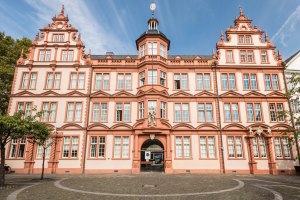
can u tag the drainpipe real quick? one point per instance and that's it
(219, 115)
(87, 120)
(292, 117)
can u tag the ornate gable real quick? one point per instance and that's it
(276, 94)
(254, 94)
(205, 93)
(100, 93)
(231, 94)
(24, 93)
(75, 93)
(181, 94)
(50, 93)
(123, 93)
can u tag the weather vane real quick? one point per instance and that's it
(152, 8)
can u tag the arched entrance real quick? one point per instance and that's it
(152, 156)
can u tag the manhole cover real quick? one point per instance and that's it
(149, 186)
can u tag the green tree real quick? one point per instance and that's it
(10, 51)
(293, 115)
(19, 126)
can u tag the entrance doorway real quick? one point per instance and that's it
(152, 156)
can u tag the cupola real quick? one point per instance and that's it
(152, 38)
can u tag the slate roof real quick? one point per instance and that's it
(170, 57)
(291, 57)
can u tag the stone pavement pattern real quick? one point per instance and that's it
(152, 186)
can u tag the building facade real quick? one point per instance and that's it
(177, 113)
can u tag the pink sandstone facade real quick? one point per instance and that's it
(192, 114)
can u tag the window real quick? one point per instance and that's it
(124, 81)
(53, 80)
(182, 112)
(70, 147)
(49, 111)
(254, 112)
(295, 106)
(282, 147)
(40, 149)
(45, 55)
(97, 147)
(163, 110)
(229, 56)
(250, 82)
(162, 50)
(141, 110)
(121, 147)
(67, 55)
(264, 56)
(207, 147)
(259, 147)
(245, 39)
(183, 146)
(58, 37)
(231, 112)
(163, 77)
(74, 111)
(152, 104)
(205, 112)
(26, 107)
(180, 81)
(228, 81)
(276, 112)
(100, 112)
(152, 48)
(271, 82)
(142, 78)
(77, 80)
(152, 76)
(102, 81)
(247, 56)
(17, 148)
(203, 81)
(29, 80)
(235, 147)
(122, 112)
(143, 50)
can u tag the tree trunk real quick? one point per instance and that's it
(2, 168)
(43, 165)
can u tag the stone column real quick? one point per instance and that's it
(29, 157)
(252, 163)
(271, 160)
(136, 160)
(168, 159)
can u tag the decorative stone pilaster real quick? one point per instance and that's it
(271, 160)
(29, 159)
(252, 163)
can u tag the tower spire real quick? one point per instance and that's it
(241, 11)
(152, 23)
(62, 12)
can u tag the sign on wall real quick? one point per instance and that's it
(147, 155)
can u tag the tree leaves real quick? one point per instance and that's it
(10, 51)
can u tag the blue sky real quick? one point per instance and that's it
(193, 26)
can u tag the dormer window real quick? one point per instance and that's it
(143, 50)
(152, 48)
(58, 37)
(162, 50)
(245, 39)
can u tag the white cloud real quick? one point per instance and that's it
(93, 34)
(288, 27)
